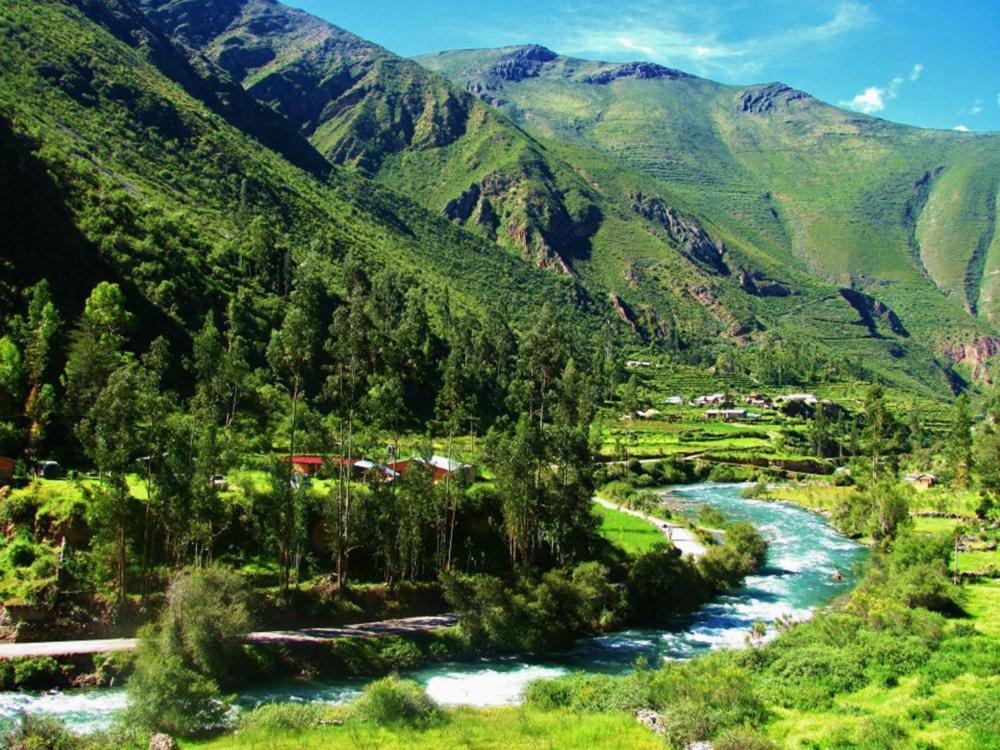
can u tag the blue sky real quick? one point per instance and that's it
(933, 63)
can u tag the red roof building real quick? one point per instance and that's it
(307, 465)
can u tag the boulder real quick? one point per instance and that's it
(160, 741)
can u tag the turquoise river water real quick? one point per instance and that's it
(796, 579)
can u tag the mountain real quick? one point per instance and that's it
(124, 159)
(186, 148)
(703, 212)
(904, 214)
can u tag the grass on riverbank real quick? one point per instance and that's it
(633, 535)
(507, 728)
(933, 709)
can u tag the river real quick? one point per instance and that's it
(797, 578)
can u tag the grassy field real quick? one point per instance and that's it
(631, 534)
(928, 713)
(878, 717)
(490, 729)
(983, 604)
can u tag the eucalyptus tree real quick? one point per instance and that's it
(42, 324)
(96, 346)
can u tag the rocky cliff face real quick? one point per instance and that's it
(771, 97)
(523, 62)
(518, 209)
(638, 70)
(356, 102)
(690, 238)
(874, 313)
(975, 354)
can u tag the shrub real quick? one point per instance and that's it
(660, 584)
(276, 718)
(39, 732)
(166, 696)
(534, 614)
(196, 644)
(395, 701)
(743, 739)
(589, 693)
(113, 667)
(20, 509)
(205, 620)
(36, 672)
(711, 517)
(21, 554)
(365, 656)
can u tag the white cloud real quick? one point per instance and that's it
(961, 129)
(976, 108)
(692, 36)
(627, 43)
(872, 99)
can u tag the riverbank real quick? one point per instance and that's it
(939, 694)
(794, 580)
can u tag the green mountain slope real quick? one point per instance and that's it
(124, 161)
(904, 213)
(676, 267)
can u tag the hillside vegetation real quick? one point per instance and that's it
(904, 214)
(625, 182)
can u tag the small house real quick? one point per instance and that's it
(805, 398)
(632, 363)
(921, 480)
(7, 468)
(713, 399)
(440, 466)
(304, 465)
(674, 400)
(759, 400)
(370, 469)
(444, 467)
(649, 414)
(726, 415)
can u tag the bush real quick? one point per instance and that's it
(742, 739)
(197, 643)
(113, 667)
(36, 672)
(278, 718)
(166, 696)
(21, 554)
(660, 584)
(535, 613)
(395, 701)
(711, 517)
(588, 693)
(366, 656)
(39, 732)
(205, 620)
(20, 509)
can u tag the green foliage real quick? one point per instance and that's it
(167, 696)
(41, 732)
(114, 667)
(284, 718)
(36, 672)
(538, 612)
(391, 700)
(195, 646)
